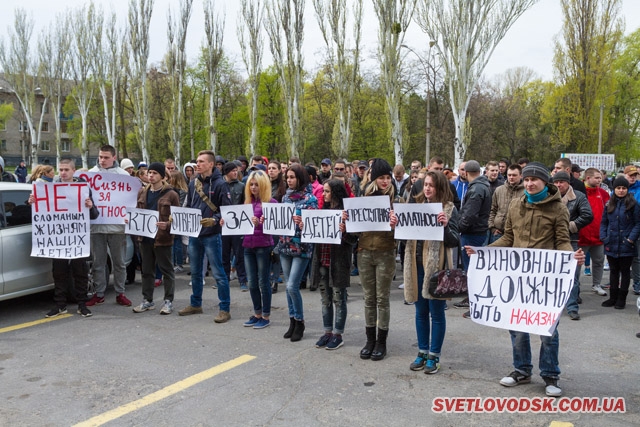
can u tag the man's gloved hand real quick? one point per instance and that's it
(208, 222)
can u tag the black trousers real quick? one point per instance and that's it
(66, 271)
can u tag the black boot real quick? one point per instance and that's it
(303, 284)
(366, 351)
(380, 350)
(274, 287)
(298, 331)
(613, 297)
(622, 300)
(292, 325)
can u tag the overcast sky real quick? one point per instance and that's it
(529, 43)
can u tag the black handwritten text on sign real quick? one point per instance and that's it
(278, 219)
(368, 213)
(321, 226)
(142, 222)
(237, 220)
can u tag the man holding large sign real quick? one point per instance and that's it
(108, 237)
(536, 220)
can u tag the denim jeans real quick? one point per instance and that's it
(424, 308)
(117, 244)
(549, 348)
(331, 296)
(212, 246)
(293, 269)
(257, 263)
(494, 237)
(470, 240)
(572, 302)
(376, 274)
(178, 259)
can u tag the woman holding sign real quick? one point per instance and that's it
(377, 266)
(295, 255)
(423, 258)
(330, 270)
(257, 250)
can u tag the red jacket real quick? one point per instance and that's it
(589, 235)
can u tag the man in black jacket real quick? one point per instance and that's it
(475, 210)
(564, 164)
(207, 192)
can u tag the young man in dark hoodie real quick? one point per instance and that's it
(158, 196)
(232, 245)
(207, 192)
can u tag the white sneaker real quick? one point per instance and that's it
(401, 286)
(598, 290)
(606, 266)
(233, 275)
(167, 308)
(144, 306)
(551, 388)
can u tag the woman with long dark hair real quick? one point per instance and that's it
(422, 259)
(619, 231)
(330, 269)
(295, 255)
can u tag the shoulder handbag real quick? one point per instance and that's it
(448, 283)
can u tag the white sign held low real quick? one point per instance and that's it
(368, 213)
(237, 220)
(142, 222)
(418, 221)
(519, 289)
(278, 219)
(321, 226)
(185, 221)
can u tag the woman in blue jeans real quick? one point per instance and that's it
(422, 259)
(257, 250)
(295, 255)
(330, 271)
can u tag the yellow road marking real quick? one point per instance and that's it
(118, 412)
(34, 323)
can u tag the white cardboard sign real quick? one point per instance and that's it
(368, 213)
(418, 221)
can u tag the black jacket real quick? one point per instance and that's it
(476, 207)
(217, 190)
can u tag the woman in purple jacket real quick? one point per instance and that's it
(257, 250)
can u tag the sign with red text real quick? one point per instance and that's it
(237, 220)
(418, 221)
(113, 194)
(519, 289)
(278, 219)
(186, 221)
(142, 222)
(321, 226)
(368, 213)
(60, 220)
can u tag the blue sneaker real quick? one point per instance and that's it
(261, 323)
(251, 322)
(244, 287)
(335, 342)
(587, 271)
(324, 340)
(355, 272)
(433, 364)
(419, 363)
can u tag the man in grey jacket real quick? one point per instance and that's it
(108, 237)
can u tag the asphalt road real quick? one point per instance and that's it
(145, 369)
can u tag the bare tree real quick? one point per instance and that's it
(468, 32)
(214, 30)
(394, 17)
(249, 28)
(21, 72)
(177, 61)
(285, 27)
(332, 18)
(53, 47)
(86, 23)
(107, 71)
(139, 19)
